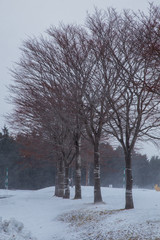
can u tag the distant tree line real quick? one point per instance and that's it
(28, 170)
(98, 82)
(25, 171)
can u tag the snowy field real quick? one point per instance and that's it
(38, 215)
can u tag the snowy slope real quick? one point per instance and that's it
(51, 218)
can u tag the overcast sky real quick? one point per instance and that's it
(20, 19)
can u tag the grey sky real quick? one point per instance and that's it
(20, 19)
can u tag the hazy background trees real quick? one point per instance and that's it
(30, 169)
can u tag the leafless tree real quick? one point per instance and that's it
(97, 106)
(74, 50)
(49, 84)
(39, 101)
(134, 112)
(94, 115)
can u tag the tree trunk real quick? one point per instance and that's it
(66, 182)
(87, 173)
(78, 170)
(129, 181)
(56, 180)
(97, 187)
(87, 177)
(59, 190)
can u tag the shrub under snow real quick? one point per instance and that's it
(13, 230)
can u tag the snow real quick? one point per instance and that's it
(39, 215)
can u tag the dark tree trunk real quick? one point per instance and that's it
(56, 181)
(97, 186)
(78, 170)
(59, 187)
(66, 182)
(129, 181)
(87, 174)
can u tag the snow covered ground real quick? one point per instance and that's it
(38, 215)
